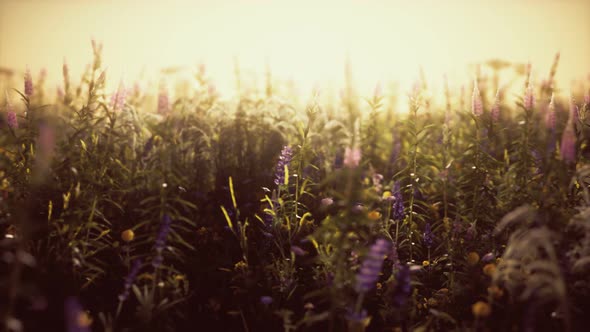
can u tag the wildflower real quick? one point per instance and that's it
(374, 215)
(403, 286)
(327, 201)
(529, 98)
(76, 318)
(161, 240)
(371, 266)
(298, 251)
(550, 117)
(496, 108)
(481, 309)
(266, 300)
(284, 161)
(386, 196)
(127, 235)
(118, 98)
(426, 263)
(398, 204)
(488, 257)
(11, 118)
(393, 256)
(568, 143)
(377, 178)
(489, 269)
(476, 103)
(358, 208)
(352, 157)
(130, 279)
(28, 83)
(428, 236)
(472, 258)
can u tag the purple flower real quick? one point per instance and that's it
(266, 300)
(476, 103)
(284, 161)
(371, 266)
(118, 97)
(398, 205)
(352, 157)
(403, 286)
(428, 236)
(130, 279)
(75, 317)
(11, 118)
(568, 143)
(28, 83)
(160, 242)
(325, 202)
(488, 257)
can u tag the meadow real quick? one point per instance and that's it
(135, 210)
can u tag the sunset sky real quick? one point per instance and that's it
(305, 40)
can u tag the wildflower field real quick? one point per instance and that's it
(131, 209)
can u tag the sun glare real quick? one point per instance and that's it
(307, 42)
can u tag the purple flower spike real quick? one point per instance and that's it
(403, 286)
(352, 157)
(398, 204)
(371, 266)
(130, 279)
(74, 316)
(160, 242)
(284, 160)
(28, 83)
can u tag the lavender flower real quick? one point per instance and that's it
(352, 157)
(398, 204)
(496, 108)
(529, 98)
(428, 236)
(11, 118)
(76, 319)
(130, 279)
(28, 83)
(568, 143)
(284, 161)
(118, 98)
(371, 266)
(266, 300)
(161, 240)
(403, 286)
(476, 103)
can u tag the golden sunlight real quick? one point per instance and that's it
(304, 41)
